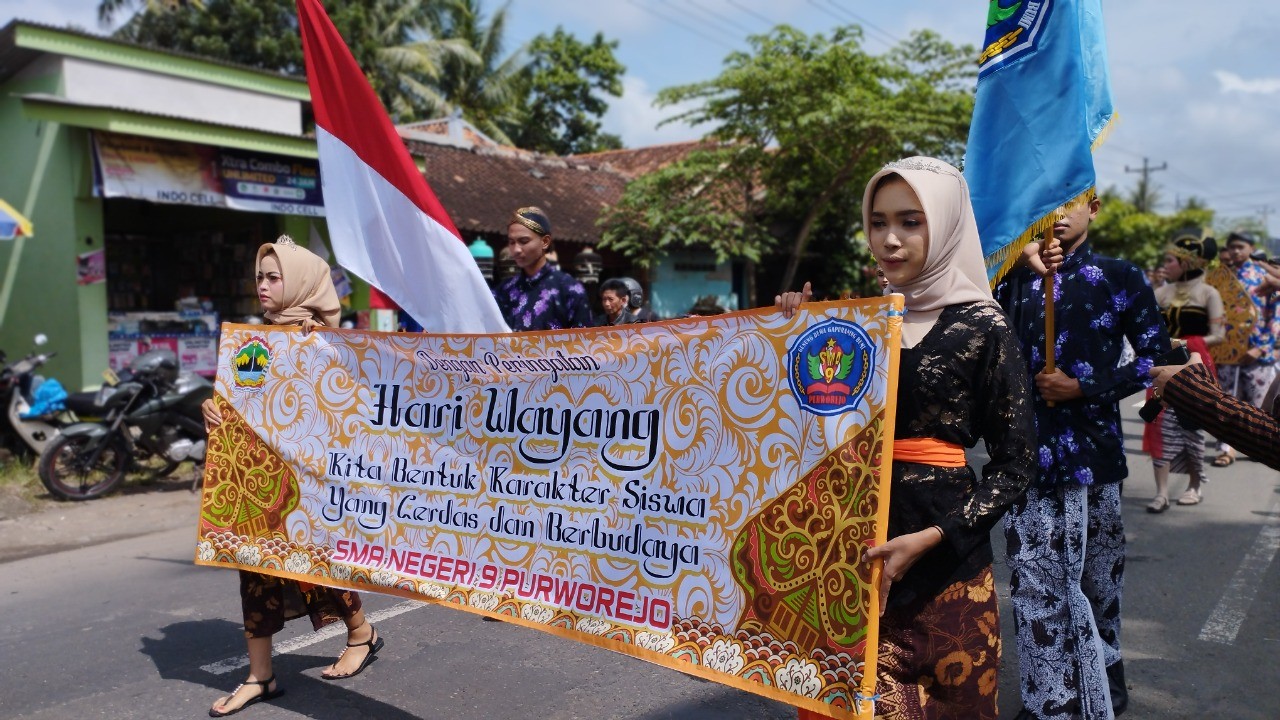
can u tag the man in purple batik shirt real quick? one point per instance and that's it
(539, 297)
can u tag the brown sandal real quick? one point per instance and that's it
(1224, 459)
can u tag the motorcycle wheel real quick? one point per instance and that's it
(63, 472)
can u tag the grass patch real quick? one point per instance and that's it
(17, 474)
(20, 488)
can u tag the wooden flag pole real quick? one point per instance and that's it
(1050, 359)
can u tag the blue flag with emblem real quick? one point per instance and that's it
(1042, 106)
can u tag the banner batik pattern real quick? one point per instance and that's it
(697, 493)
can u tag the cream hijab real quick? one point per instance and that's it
(954, 270)
(308, 287)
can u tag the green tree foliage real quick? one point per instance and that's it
(392, 40)
(1122, 230)
(485, 88)
(109, 10)
(424, 58)
(699, 201)
(802, 120)
(563, 90)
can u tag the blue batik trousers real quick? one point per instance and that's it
(1065, 548)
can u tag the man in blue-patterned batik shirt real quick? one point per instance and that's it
(1065, 537)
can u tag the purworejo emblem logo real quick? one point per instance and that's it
(829, 367)
(250, 362)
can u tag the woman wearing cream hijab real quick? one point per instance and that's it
(295, 288)
(961, 379)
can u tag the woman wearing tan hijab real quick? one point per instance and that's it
(295, 288)
(961, 379)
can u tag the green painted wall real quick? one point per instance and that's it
(47, 176)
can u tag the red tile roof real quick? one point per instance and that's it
(635, 162)
(481, 187)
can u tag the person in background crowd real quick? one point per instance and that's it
(1270, 283)
(635, 301)
(295, 288)
(1065, 538)
(705, 306)
(1190, 389)
(540, 296)
(613, 299)
(1194, 315)
(1251, 380)
(962, 379)
(880, 278)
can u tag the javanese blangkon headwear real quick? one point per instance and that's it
(534, 219)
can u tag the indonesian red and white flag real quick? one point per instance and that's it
(385, 223)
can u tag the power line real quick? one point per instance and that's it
(721, 17)
(885, 35)
(702, 22)
(1247, 193)
(771, 23)
(676, 22)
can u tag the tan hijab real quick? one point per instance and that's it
(308, 287)
(954, 270)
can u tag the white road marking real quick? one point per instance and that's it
(223, 667)
(1224, 622)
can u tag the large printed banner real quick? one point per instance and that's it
(697, 493)
(166, 171)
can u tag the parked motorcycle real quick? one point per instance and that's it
(152, 414)
(33, 409)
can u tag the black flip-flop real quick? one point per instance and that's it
(266, 694)
(374, 644)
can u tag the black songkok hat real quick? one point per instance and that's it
(1244, 237)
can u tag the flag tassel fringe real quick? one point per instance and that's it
(1007, 257)
(1105, 132)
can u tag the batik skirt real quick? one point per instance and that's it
(939, 659)
(1180, 448)
(269, 602)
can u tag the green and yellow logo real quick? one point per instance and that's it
(250, 363)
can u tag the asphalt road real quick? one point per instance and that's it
(105, 616)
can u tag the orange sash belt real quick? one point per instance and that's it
(929, 451)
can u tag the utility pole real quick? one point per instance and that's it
(1143, 195)
(1267, 243)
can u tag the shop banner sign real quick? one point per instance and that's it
(164, 171)
(697, 493)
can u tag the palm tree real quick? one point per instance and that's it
(398, 43)
(487, 91)
(411, 56)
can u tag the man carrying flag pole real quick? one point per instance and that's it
(385, 223)
(1043, 102)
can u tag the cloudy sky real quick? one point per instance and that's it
(1198, 89)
